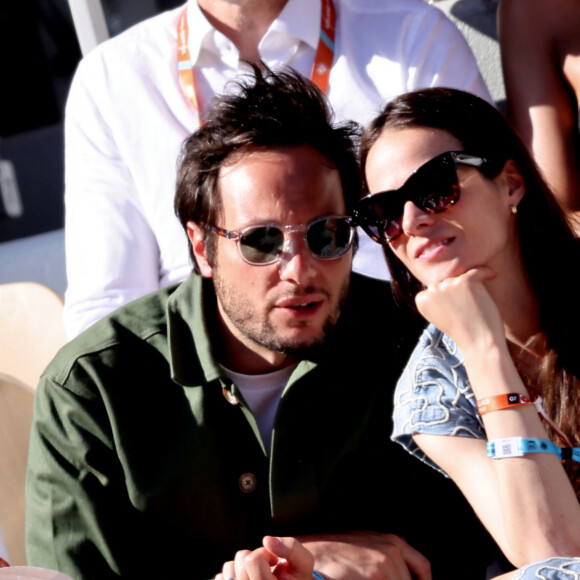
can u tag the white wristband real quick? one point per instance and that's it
(519, 446)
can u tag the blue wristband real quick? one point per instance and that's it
(572, 453)
(317, 575)
(519, 446)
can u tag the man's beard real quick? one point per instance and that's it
(242, 315)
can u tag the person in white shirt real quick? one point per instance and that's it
(129, 111)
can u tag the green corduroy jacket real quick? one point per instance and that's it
(145, 461)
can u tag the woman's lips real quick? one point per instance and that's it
(432, 248)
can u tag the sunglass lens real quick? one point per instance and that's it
(435, 185)
(330, 238)
(262, 245)
(381, 217)
(439, 201)
(432, 188)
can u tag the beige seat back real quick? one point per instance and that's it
(31, 329)
(16, 401)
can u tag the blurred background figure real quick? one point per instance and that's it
(540, 49)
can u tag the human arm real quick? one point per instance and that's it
(527, 503)
(77, 519)
(111, 252)
(539, 47)
(366, 554)
(347, 556)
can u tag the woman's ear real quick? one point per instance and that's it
(198, 246)
(514, 181)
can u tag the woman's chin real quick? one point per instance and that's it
(441, 273)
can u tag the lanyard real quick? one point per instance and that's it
(320, 69)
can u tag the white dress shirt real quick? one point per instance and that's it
(126, 119)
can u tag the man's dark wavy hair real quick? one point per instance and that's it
(265, 109)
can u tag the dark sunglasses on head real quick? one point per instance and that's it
(327, 238)
(433, 188)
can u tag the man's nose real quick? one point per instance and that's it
(296, 261)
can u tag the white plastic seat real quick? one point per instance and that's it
(16, 402)
(31, 329)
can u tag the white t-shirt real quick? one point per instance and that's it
(126, 119)
(262, 394)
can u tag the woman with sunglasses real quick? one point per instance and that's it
(477, 244)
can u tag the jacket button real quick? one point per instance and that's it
(248, 482)
(230, 397)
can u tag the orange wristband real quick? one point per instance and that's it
(500, 402)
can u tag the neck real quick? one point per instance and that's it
(253, 359)
(518, 304)
(244, 22)
(251, 362)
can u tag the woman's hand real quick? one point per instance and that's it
(280, 558)
(518, 497)
(346, 556)
(462, 308)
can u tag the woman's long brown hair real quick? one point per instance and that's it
(550, 249)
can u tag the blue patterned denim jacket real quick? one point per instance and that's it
(434, 395)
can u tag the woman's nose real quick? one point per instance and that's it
(415, 219)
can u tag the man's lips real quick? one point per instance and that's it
(300, 303)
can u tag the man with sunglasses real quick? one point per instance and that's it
(153, 84)
(247, 400)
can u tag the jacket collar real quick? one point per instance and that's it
(191, 332)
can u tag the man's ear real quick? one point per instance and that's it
(516, 186)
(197, 240)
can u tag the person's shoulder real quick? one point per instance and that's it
(386, 7)
(373, 309)
(536, 10)
(365, 292)
(368, 283)
(386, 21)
(368, 293)
(526, 18)
(154, 35)
(127, 330)
(437, 343)
(435, 360)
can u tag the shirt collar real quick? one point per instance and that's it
(299, 19)
(200, 29)
(192, 329)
